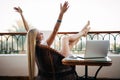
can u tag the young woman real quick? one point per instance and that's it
(36, 38)
(67, 42)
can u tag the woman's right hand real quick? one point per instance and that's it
(18, 9)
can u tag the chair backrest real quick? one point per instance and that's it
(50, 65)
(44, 59)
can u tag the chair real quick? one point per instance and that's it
(48, 62)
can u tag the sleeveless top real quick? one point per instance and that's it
(43, 42)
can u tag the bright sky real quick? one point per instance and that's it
(42, 14)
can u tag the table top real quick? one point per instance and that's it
(91, 62)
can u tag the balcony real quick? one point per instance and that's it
(15, 43)
(13, 57)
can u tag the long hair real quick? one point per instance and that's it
(31, 43)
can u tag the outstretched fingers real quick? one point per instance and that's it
(64, 7)
(18, 9)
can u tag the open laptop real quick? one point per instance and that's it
(95, 49)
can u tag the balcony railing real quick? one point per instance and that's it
(12, 42)
(16, 42)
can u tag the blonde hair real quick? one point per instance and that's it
(31, 43)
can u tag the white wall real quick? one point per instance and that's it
(16, 65)
(13, 65)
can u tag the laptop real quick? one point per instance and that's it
(95, 49)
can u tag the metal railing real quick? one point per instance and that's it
(12, 42)
(16, 42)
(113, 36)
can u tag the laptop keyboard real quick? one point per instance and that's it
(75, 57)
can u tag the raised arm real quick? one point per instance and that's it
(19, 10)
(63, 9)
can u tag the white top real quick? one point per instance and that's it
(43, 42)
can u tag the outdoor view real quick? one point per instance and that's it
(104, 15)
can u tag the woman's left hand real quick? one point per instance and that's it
(64, 7)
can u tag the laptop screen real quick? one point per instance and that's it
(96, 48)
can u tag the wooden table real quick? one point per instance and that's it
(88, 62)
